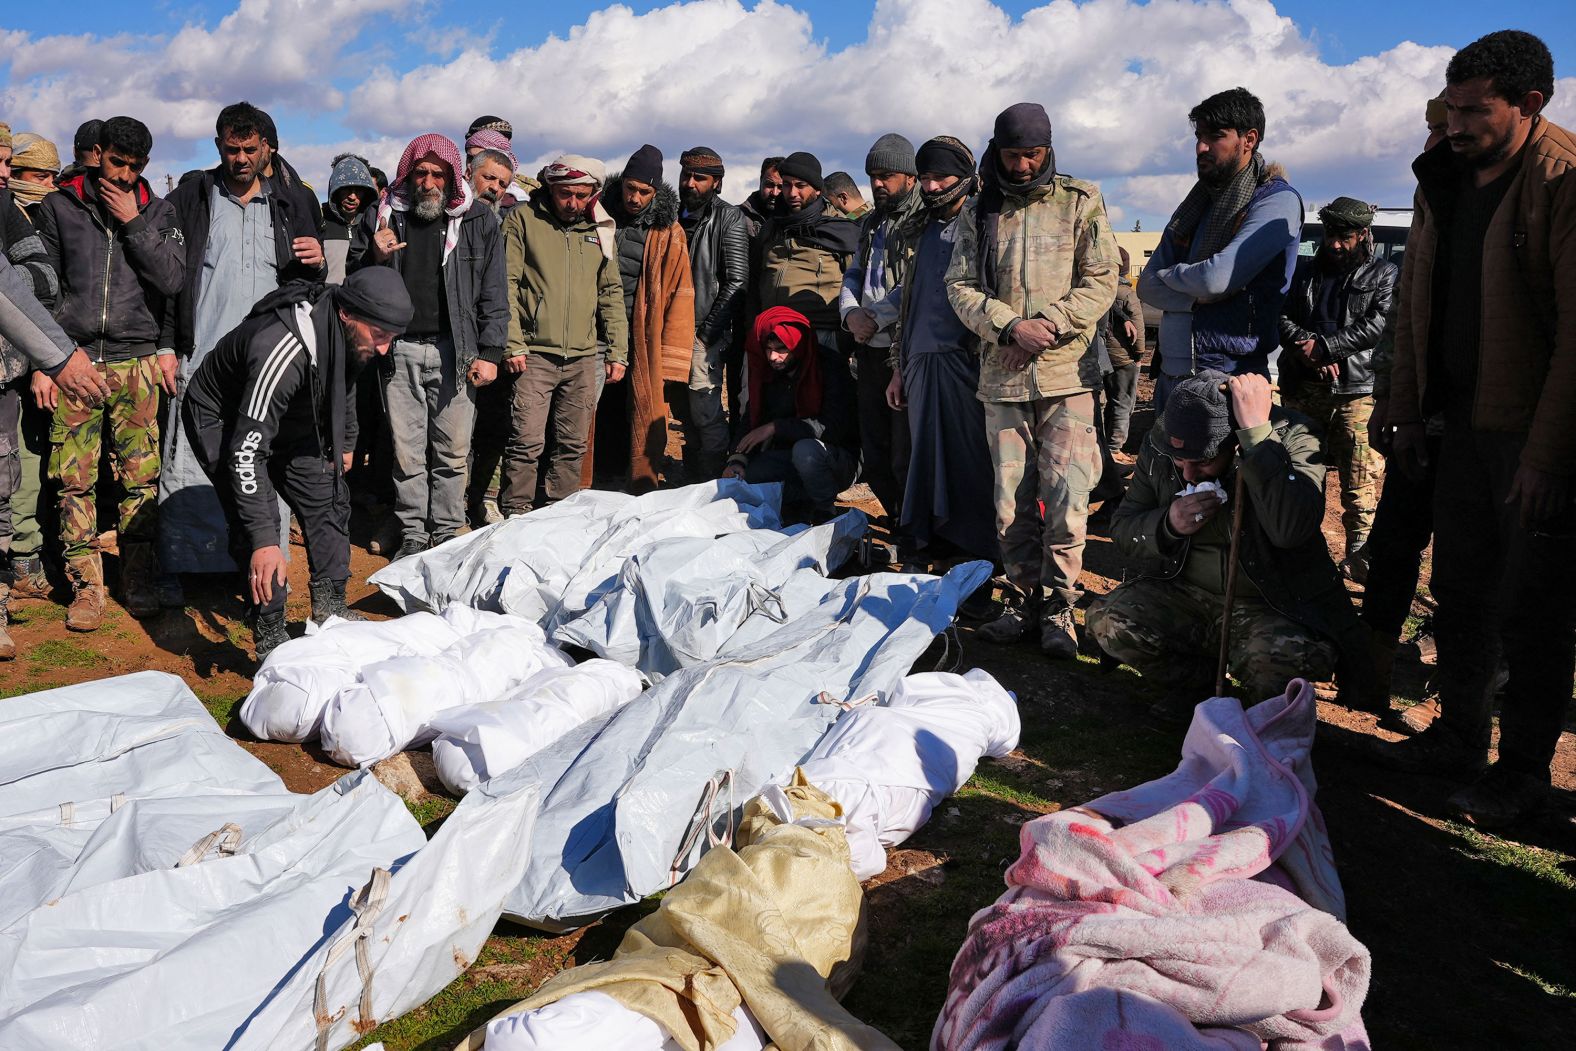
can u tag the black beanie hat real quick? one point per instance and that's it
(376, 294)
(806, 167)
(1198, 417)
(645, 165)
(945, 155)
(87, 135)
(1023, 126)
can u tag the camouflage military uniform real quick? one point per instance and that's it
(77, 437)
(1169, 632)
(1056, 260)
(1342, 420)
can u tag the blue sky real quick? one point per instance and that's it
(1343, 89)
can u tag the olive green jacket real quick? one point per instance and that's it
(563, 291)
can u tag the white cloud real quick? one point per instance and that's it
(1117, 78)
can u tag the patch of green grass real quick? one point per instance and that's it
(1551, 988)
(1534, 861)
(37, 612)
(1002, 784)
(430, 811)
(509, 968)
(63, 653)
(222, 705)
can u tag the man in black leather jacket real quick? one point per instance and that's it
(719, 247)
(1332, 321)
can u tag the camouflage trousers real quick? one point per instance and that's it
(1046, 456)
(128, 420)
(1342, 422)
(1169, 632)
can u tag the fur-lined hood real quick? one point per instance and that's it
(663, 211)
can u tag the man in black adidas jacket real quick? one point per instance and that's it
(267, 412)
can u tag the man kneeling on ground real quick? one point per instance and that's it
(1291, 615)
(796, 422)
(267, 412)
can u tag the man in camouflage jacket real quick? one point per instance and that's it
(1033, 271)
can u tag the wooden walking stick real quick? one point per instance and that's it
(1238, 492)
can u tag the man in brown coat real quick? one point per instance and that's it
(1485, 335)
(659, 301)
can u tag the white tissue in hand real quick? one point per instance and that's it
(1205, 487)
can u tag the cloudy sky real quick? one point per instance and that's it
(1344, 81)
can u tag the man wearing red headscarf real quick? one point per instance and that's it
(796, 422)
(430, 228)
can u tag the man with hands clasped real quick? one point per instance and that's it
(1291, 616)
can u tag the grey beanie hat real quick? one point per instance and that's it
(891, 153)
(1198, 417)
(351, 170)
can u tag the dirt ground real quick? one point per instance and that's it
(1473, 937)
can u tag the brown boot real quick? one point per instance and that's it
(86, 574)
(139, 568)
(28, 580)
(7, 647)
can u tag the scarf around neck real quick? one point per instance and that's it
(1224, 207)
(994, 191)
(814, 227)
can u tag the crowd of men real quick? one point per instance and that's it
(463, 342)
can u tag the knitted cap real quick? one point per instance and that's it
(891, 153)
(1198, 417)
(645, 165)
(806, 167)
(34, 151)
(351, 170)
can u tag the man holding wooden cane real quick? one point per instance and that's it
(1221, 440)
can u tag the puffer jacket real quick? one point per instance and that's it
(1283, 553)
(563, 291)
(1057, 259)
(1366, 299)
(1526, 380)
(116, 280)
(719, 247)
(473, 278)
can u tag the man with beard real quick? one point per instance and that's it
(432, 231)
(350, 190)
(269, 415)
(803, 251)
(767, 199)
(719, 248)
(869, 304)
(566, 298)
(1032, 272)
(246, 235)
(1335, 315)
(117, 252)
(935, 377)
(1225, 260)
(659, 305)
(1484, 335)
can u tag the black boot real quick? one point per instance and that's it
(328, 600)
(268, 632)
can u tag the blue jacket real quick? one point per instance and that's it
(1223, 312)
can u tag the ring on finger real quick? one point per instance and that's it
(1198, 517)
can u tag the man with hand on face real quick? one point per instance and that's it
(869, 303)
(246, 235)
(1336, 313)
(1225, 260)
(1032, 273)
(117, 251)
(1290, 610)
(1484, 337)
(430, 229)
(566, 297)
(268, 415)
(719, 248)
